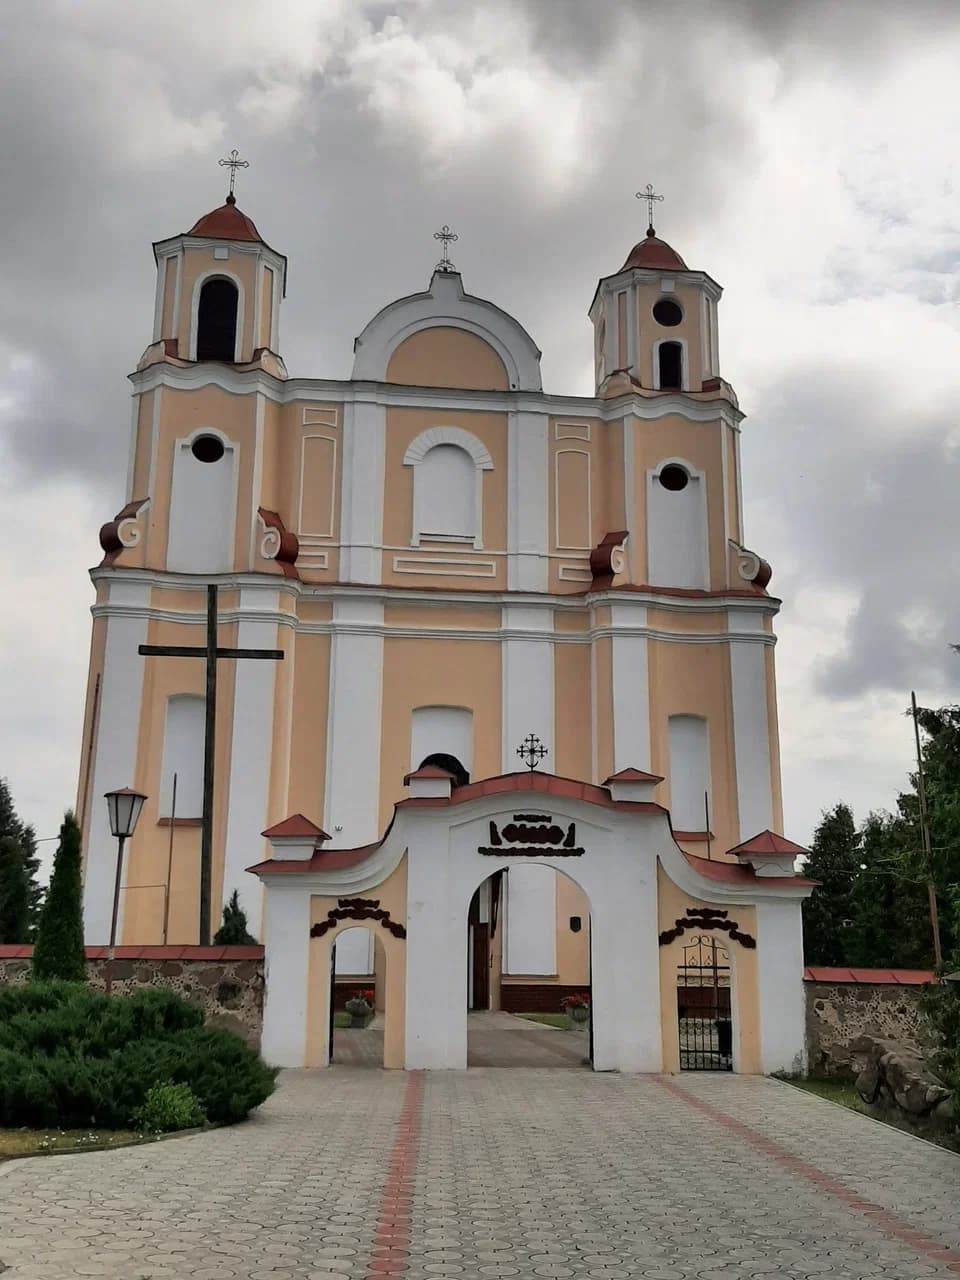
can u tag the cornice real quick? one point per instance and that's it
(243, 382)
(386, 630)
(441, 598)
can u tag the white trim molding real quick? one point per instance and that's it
(417, 451)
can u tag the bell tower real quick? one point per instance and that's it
(219, 288)
(655, 322)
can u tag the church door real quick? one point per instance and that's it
(480, 935)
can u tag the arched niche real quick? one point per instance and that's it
(442, 356)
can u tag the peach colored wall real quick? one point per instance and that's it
(743, 974)
(419, 673)
(392, 894)
(446, 357)
(573, 717)
(700, 444)
(403, 426)
(650, 332)
(603, 711)
(579, 484)
(263, 338)
(729, 439)
(181, 413)
(467, 617)
(149, 848)
(240, 266)
(91, 730)
(313, 457)
(141, 461)
(171, 267)
(308, 755)
(773, 729)
(573, 949)
(687, 679)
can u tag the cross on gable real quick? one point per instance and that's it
(651, 197)
(211, 652)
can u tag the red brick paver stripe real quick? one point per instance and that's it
(390, 1255)
(875, 1214)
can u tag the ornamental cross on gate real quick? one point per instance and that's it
(531, 751)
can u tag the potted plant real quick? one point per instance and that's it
(577, 1006)
(360, 1007)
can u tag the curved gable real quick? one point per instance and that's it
(455, 318)
(445, 357)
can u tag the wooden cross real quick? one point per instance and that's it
(210, 652)
(647, 194)
(235, 163)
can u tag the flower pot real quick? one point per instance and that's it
(359, 1012)
(579, 1013)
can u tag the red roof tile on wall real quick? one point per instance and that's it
(882, 977)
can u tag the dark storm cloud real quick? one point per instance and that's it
(867, 492)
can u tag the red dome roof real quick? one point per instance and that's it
(654, 254)
(226, 223)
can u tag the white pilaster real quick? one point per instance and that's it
(527, 502)
(250, 755)
(780, 980)
(286, 920)
(115, 756)
(361, 518)
(353, 725)
(631, 690)
(528, 686)
(751, 737)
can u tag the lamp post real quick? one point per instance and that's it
(124, 808)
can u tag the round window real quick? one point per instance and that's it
(207, 448)
(674, 478)
(667, 312)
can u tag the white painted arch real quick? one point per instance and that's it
(446, 305)
(216, 273)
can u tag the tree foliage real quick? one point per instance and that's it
(234, 932)
(58, 950)
(20, 894)
(871, 909)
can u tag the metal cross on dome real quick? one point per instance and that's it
(235, 163)
(531, 751)
(448, 237)
(650, 196)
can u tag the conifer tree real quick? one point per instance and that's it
(835, 862)
(14, 892)
(18, 873)
(233, 932)
(58, 951)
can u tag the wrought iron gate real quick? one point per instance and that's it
(703, 1007)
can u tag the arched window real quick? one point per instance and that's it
(452, 765)
(217, 320)
(670, 366)
(445, 494)
(676, 526)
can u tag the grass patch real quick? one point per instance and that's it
(841, 1091)
(35, 1142)
(558, 1020)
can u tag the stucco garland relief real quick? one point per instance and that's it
(532, 835)
(707, 918)
(357, 909)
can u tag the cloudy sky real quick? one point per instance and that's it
(808, 154)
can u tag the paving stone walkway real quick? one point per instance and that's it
(499, 1173)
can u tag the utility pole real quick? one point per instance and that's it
(925, 842)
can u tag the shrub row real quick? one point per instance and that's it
(72, 1057)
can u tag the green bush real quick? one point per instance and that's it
(72, 1057)
(168, 1107)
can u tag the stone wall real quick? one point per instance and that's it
(841, 1008)
(227, 982)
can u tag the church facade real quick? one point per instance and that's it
(458, 567)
